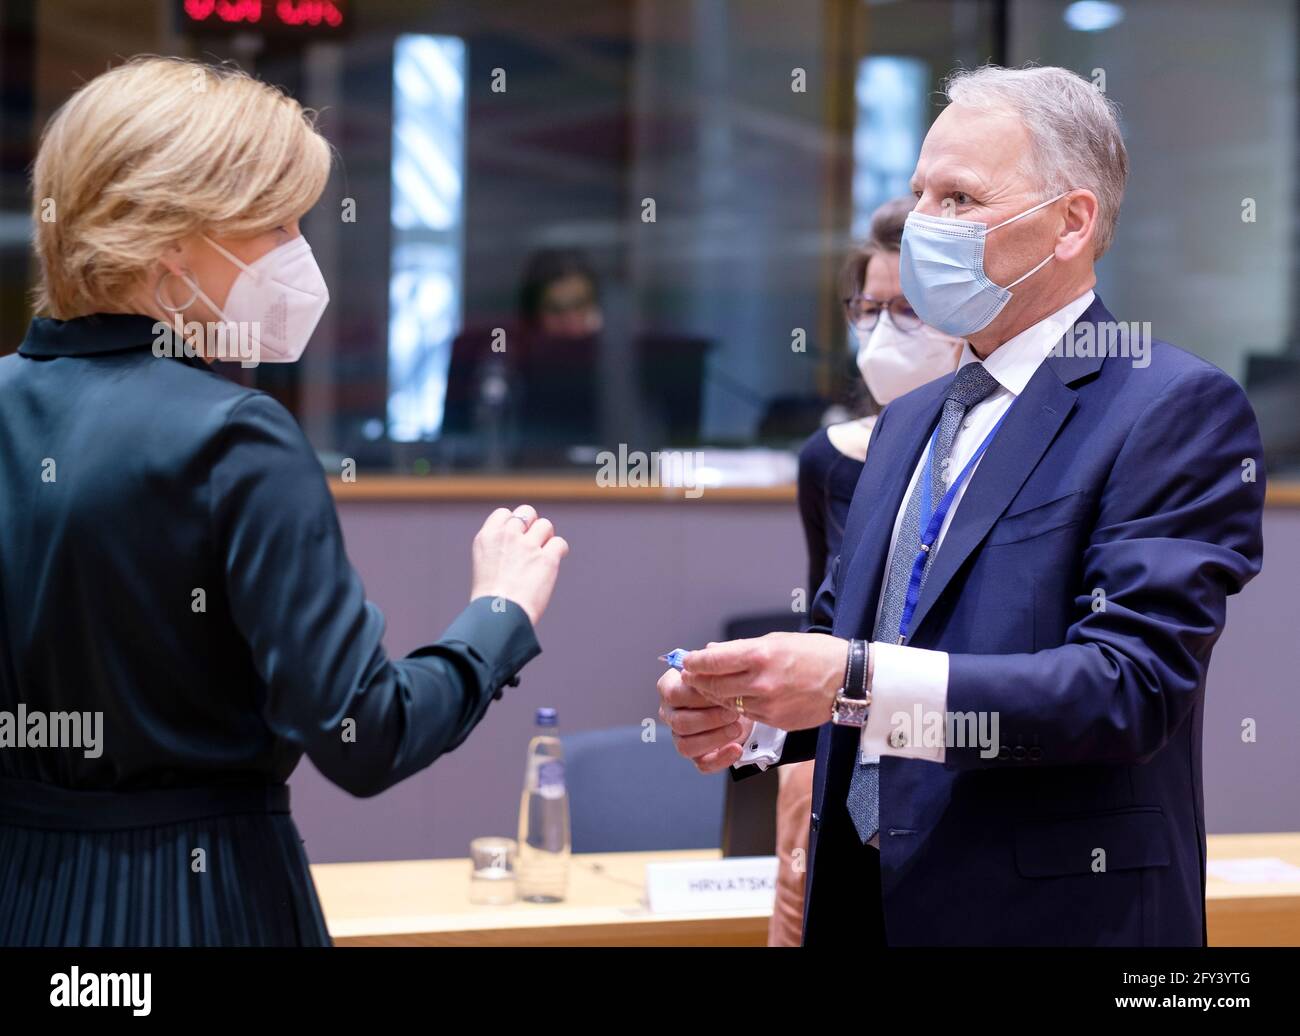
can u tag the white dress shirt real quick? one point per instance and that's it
(910, 678)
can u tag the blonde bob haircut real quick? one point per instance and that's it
(151, 152)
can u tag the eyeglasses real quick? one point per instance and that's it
(863, 312)
(562, 307)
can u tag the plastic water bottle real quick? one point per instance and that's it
(544, 818)
(491, 411)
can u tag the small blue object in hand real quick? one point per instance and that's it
(674, 658)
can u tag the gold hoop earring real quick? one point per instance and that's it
(157, 293)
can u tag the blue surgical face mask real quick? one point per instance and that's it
(941, 268)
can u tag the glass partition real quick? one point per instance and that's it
(559, 231)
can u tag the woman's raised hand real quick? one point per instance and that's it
(517, 556)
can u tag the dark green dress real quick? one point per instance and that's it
(171, 569)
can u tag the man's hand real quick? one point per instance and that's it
(785, 680)
(709, 735)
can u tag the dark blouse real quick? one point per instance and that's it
(170, 557)
(827, 479)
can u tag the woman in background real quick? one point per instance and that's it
(896, 353)
(172, 573)
(560, 295)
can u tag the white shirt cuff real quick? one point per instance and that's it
(763, 748)
(909, 702)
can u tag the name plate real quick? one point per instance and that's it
(744, 883)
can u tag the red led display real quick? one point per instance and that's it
(264, 14)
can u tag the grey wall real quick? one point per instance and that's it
(640, 579)
(643, 578)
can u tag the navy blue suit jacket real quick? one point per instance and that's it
(1133, 481)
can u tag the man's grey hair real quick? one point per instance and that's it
(1073, 131)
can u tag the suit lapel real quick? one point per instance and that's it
(876, 502)
(1035, 417)
(1032, 423)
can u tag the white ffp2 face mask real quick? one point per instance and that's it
(278, 299)
(894, 362)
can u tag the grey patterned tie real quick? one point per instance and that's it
(972, 384)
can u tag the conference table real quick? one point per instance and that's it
(426, 903)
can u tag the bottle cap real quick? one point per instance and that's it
(674, 658)
(547, 717)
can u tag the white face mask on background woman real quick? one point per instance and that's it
(894, 362)
(278, 300)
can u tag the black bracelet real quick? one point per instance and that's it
(855, 679)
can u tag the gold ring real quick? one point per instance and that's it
(740, 704)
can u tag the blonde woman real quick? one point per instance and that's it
(179, 622)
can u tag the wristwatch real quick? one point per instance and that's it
(853, 700)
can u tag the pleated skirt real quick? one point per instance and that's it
(176, 867)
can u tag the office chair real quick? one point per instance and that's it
(630, 795)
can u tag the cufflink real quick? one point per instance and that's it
(512, 682)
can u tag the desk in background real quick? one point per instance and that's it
(568, 487)
(1247, 914)
(426, 903)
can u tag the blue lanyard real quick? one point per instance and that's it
(933, 520)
